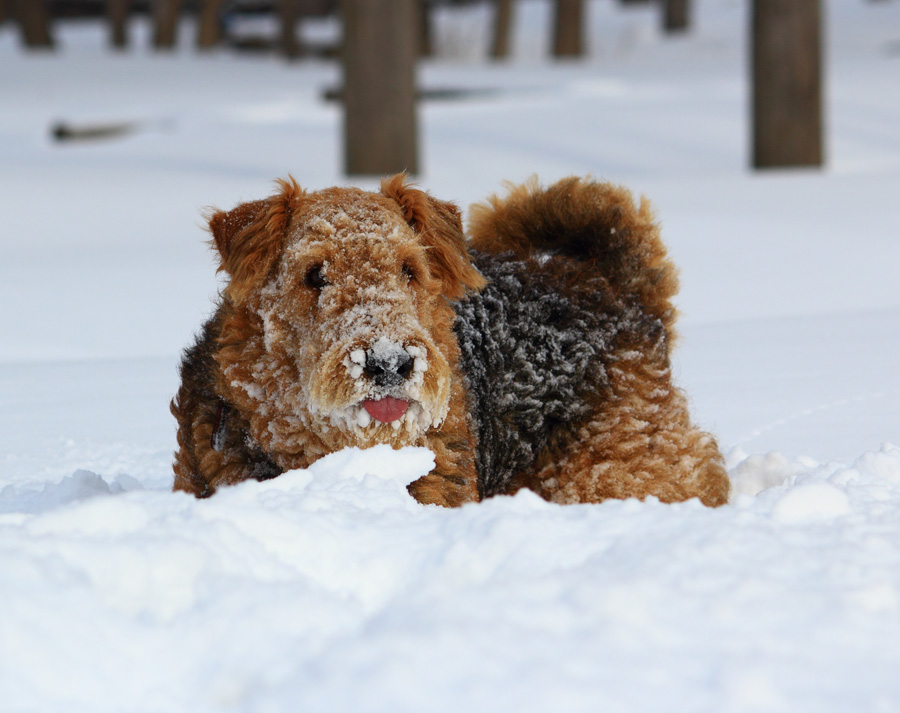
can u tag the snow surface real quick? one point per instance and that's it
(330, 589)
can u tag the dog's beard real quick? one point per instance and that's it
(358, 421)
(342, 398)
(309, 378)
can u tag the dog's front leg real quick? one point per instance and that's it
(447, 489)
(454, 480)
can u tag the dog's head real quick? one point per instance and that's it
(340, 323)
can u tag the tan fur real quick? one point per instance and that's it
(281, 355)
(631, 252)
(639, 443)
(318, 278)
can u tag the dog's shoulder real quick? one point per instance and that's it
(198, 366)
(535, 344)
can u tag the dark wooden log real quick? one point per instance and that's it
(675, 15)
(117, 14)
(34, 22)
(568, 28)
(209, 30)
(787, 83)
(379, 55)
(426, 35)
(503, 17)
(166, 15)
(288, 14)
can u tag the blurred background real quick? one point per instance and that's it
(766, 134)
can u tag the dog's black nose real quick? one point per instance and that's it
(388, 369)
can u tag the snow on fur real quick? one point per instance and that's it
(332, 589)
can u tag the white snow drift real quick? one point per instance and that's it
(331, 589)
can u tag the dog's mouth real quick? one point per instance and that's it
(401, 415)
(386, 409)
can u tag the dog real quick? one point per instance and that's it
(534, 355)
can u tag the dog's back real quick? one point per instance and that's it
(566, 351)
(597, 224)
(535, 344)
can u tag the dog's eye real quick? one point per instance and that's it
(408, 272)
(315, 277)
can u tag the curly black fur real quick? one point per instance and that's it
(535, 344)
(198, 392)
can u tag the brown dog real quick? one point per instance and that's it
(538, 359)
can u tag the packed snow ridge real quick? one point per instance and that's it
(333, 585)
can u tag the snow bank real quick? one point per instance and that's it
(330, 589)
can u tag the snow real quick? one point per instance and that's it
(330, 589)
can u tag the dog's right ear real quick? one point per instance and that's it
(439, 225)
(250, 237)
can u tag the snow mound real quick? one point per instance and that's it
(82, 484)
(332, 589)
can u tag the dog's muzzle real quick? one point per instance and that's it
(390, 376)
(387, 368)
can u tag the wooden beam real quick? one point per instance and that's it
(675, 15)
(117, 14)
(503, 16)
(209, 31)
(426, 36)
(787, 83)
(288, 14)
(568, 28)
(166, 14)
(34, 22)
(379, 57)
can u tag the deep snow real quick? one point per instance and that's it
(331, 589)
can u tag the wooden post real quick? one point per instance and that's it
(34, 22)
(568, 28)
(288, 12)
(787, 83)
(117, 13)
(426, 36)
(209, 32)
(675, 15)
(502, 28)
(166, 15)
(379, 53)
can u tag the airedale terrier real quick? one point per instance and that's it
(536, 356)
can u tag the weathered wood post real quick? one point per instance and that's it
(117, 14)
(166, 15)
(209, 33)
(379, 55)
(568, 28)
(787, 83)
(675, 15)
(288, 13)
(34, 22)
(424, 24)
(502, 28)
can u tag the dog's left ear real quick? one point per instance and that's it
(251, 236)
(440, 227)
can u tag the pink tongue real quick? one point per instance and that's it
(387, 409)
